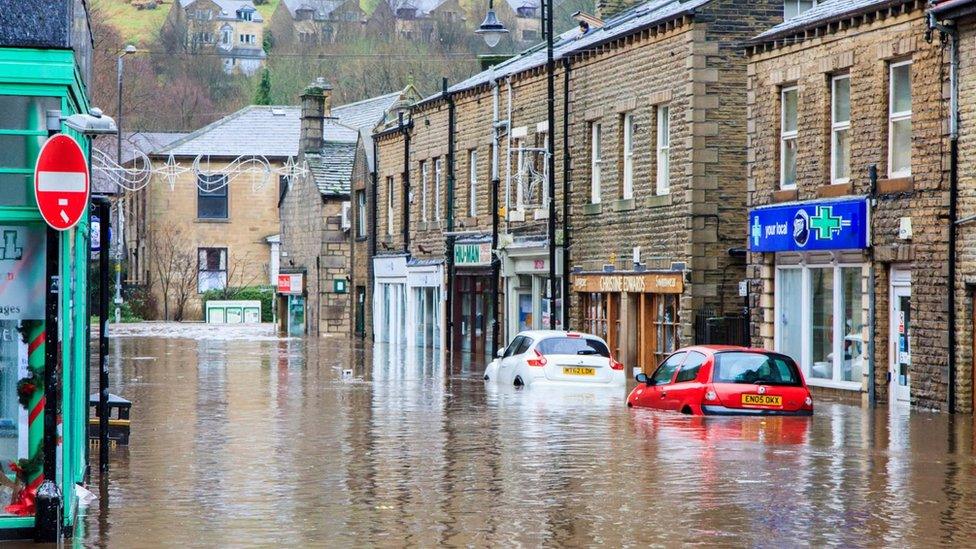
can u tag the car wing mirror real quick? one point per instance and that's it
(500, 353)
(642, 378)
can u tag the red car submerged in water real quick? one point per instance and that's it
(725, 380)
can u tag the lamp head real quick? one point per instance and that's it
(491, 29)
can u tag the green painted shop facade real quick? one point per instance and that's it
(49, 73)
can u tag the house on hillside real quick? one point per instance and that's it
(310, 23)
(323, 234)
(426, 21)
(233, 29)
(522, 18)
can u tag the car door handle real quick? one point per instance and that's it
(664, 394)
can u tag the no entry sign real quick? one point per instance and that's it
(61, 183)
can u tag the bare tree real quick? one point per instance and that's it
(240, 274)
(173, 263)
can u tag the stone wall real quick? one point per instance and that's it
(864, 52)
(302, 217)
(252, 217)
(360, 249)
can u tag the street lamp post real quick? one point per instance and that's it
(492, 30)
(118, 202)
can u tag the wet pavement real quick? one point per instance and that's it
(246, 440)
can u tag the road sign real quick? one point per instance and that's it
(61, 182)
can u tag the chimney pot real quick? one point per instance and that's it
(316, 107)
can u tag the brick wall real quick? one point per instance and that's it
(864, 52)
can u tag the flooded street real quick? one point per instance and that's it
(249, 440)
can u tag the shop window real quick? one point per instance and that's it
(212, 269)
(663, 149)
(595, 314)
(596, 162)
(23, 129)
(840, 127)
(689, 371)
(212, 196)
(820, 322)
(666, 324)
(627, 191)
(788, 135)
(900, 120)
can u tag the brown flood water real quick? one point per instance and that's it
(263, 442)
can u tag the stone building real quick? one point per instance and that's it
(849, 271)
(322, 235)
(208, 213)
(233, 29)
(301, 24)
(649, 209)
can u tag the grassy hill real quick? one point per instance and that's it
(139, 26)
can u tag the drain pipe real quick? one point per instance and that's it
(451, 120)
(872, 375)
(950, 33)
(405, 131)
(373, 233)
(566, 196)
(495, 253)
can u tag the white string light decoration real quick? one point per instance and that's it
(139, 176)
(133, 178)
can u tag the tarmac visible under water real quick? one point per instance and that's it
(246, 440)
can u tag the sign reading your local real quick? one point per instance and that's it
(827, 225)
(61, 184)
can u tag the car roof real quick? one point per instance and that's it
(712, 349)
(539, 334)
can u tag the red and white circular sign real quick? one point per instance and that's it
(61, 182)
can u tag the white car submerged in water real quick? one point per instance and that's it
(553, 357)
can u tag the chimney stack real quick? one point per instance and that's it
(316, 106)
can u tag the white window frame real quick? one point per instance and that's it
(361, 202)
(663, 145)
(423, 191)
(520, 159)
(894, 117)
(473, 183)
(627, 190)
(438, 176)
(787, 136)
(596, 162)
(390, 182)
(795, 5)
(806, 325)
(837, 127)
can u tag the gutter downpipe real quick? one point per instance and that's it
(495, 252)
(451, 120)
(872, 376)
(949, 31)
(566, 172)
(372, 230)
(405, 131)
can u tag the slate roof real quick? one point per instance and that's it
(823, 12)
(627, 22)
(322, 8)
(228, 9)
(131, 142)
(423, 7)
(516, 4)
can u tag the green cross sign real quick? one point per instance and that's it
(826, 224)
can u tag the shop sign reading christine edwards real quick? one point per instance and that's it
(824, 225)
(653, 283)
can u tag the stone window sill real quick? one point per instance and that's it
(624, 205)
(833, 191)
(208, 220)
(540, 214)
(896, 185)
(592, 209)
(786, 195)
(658, 201)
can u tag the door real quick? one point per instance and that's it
(899, 342)
(296, 315)
(686, 389)
(360, 310)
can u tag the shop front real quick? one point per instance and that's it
(525, 276)
(33, 260)
(425, 303)
(472, 299)
(820, 272)
(390, 300)
(637, 313)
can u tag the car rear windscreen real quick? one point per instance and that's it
(758, 368)
(573, 346)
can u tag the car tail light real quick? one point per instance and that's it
(539, 361)
(614, 365)
(710, 395)
(808, 401)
